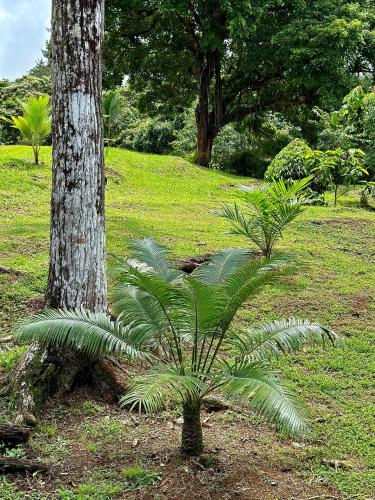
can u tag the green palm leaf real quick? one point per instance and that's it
(278, 337)
(248, 279)
(95, 334)
(221, 265)
(156, 388)
(271, 207)
(155, 256)
(259, 385)
(138, 308)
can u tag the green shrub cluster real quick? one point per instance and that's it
(154, 136)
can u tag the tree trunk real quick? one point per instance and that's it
(209, 121)
(192, 435)
(202, 115)
(335, 198)
(77, 275)
(77, 272)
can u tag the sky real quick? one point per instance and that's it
(23, 32)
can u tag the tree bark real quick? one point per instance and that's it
(77, 275)
(209, 116)
(77, 271)
(202, 114)
(192, 435)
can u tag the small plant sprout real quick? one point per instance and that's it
(35, 123)
(270, 208)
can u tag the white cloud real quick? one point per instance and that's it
(23, 32)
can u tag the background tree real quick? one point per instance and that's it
(237, 57)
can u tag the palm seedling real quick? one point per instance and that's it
(35, 123)
(179, 324)
(270, 209)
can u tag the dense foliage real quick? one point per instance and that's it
(154, 136)
(13, 94)
(237, 58)
(290, 163)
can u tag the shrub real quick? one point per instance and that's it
(337, 168)
(180, 323)
(154, 136)
(35, 123)
(270, 209)
(13, 94)
(290, 163)
(185, 143)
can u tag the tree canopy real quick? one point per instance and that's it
(238, 58)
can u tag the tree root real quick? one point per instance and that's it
(45, 372)
(12, 435)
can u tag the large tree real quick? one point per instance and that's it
(77, 273)
(236, 57)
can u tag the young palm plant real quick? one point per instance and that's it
(271, 208)
(35, 124)
(179, 324)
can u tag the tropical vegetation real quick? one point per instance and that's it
(270, 209)
(181, 324)
(35, 123)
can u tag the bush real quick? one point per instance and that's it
(232, 152)
(12, 94)
(154, 136)
(185, 143)
(290, 163)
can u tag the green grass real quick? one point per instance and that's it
(172, 200)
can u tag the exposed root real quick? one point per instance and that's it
(44, 372)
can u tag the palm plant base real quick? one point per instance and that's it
(192, 435)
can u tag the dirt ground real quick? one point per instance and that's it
(89, 444)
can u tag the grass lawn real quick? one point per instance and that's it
(172, 200)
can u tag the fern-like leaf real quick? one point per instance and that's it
(274, 338)
(260, 386)
(154, 390)
(95, 334)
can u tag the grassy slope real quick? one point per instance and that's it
(171, 200)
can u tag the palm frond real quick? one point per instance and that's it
(260, 386)
(156, 388)
(270, 208)
(140, 275)
(251, 277)
(221, 265)
(202, 308)
(95, 334)
(274, 338)
(155, 256)
(139, 309)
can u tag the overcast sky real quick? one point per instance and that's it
(23, 32)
